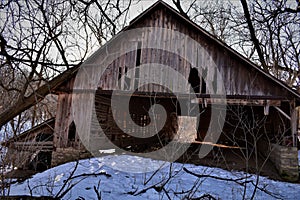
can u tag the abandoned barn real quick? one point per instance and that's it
(260, 109)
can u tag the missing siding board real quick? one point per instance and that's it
(123, 83)
(137, 64)
(203, 83)
(127, 80)
(194, 80)
(119, 77)
(72, 132)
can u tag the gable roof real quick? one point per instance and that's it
(161, 4)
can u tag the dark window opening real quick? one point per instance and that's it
(72, 132)
(203, 84)
(194, 80)
(137, 64)
(119, 77)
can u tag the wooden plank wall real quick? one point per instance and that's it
(239, 77)
(63, 120)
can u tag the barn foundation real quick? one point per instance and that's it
(286, 161)
(64, 155)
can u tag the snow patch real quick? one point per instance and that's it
(58, 177)
(122, 184)
(108, 151)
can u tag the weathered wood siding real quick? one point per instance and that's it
(121, 58)
(120, 134)
(64, 119)
(238, 76)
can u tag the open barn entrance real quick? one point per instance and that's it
(120, 126)
(245, 125)
(248, 135)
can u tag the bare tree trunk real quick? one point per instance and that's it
(252, 34)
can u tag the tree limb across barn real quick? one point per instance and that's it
(38, 95)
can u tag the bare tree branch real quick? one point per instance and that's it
(253, 35)
(177, 3)
(37, 96)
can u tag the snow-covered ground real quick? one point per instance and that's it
(123, 184)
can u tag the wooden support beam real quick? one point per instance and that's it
(185, 95)
(244, 102)
(294, 122)
(266, 109)
(282, 112)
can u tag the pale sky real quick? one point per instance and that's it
(143, 5)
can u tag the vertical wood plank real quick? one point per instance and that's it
(63, 120)
(294, 122)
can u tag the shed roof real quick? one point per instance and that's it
(48, 123)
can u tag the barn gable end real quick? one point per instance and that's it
(240, 76)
